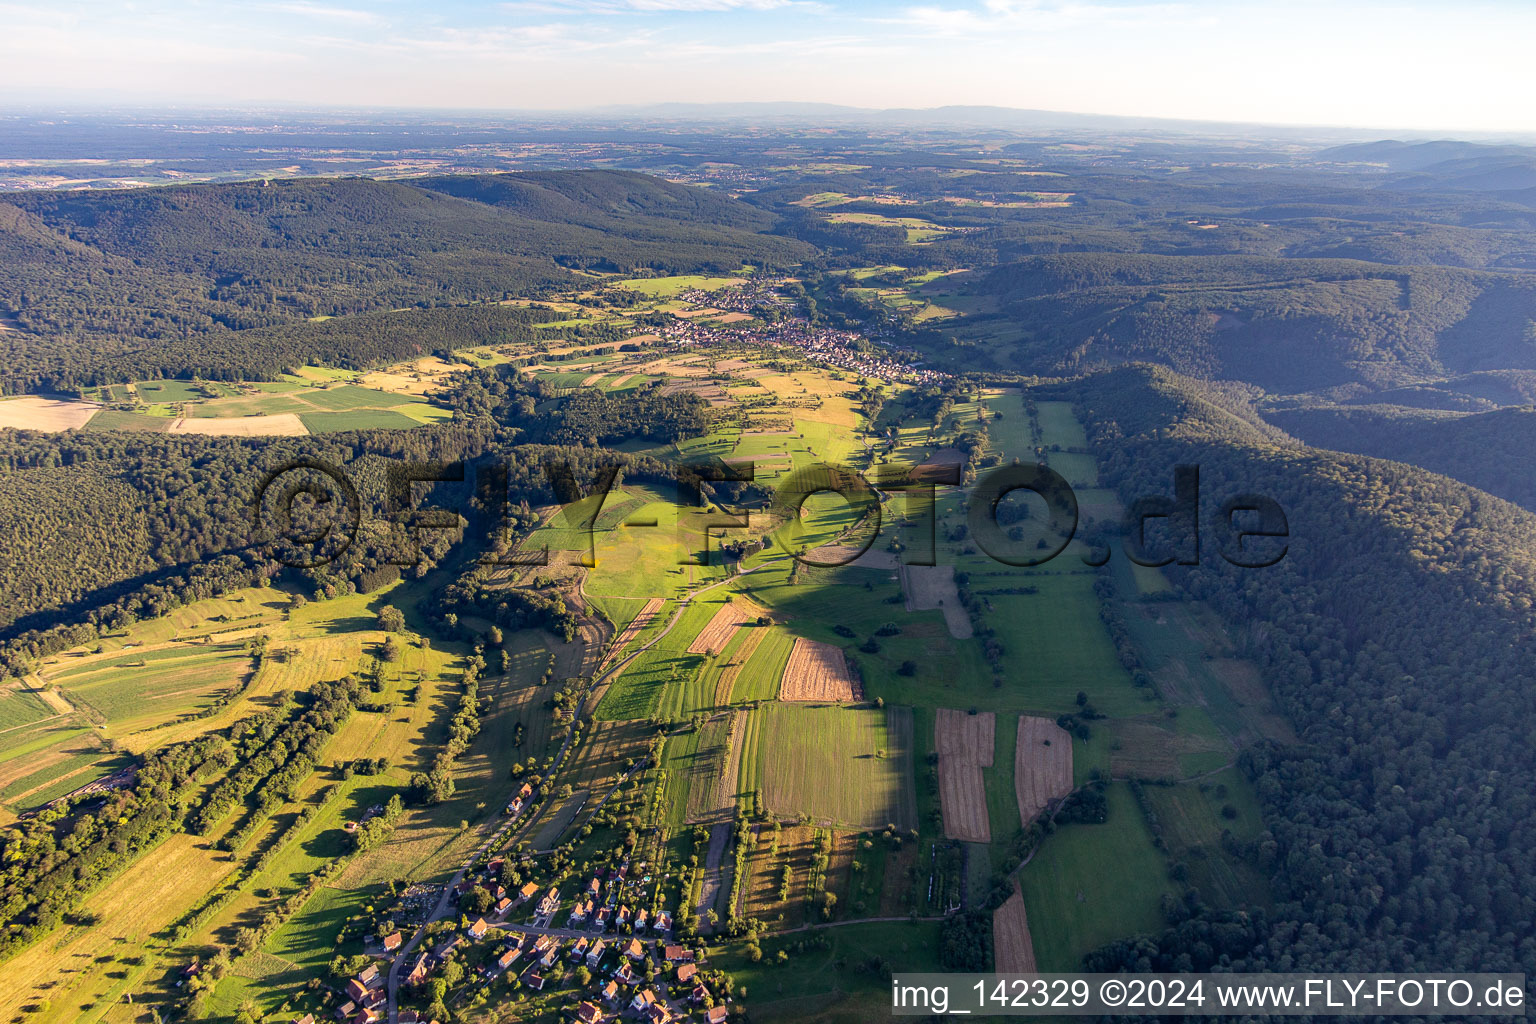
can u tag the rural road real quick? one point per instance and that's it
(442, 904)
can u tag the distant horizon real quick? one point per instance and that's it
(1380, 65)
(788, 110)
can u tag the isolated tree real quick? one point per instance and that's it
(391, 619)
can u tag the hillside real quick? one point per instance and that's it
(1493, 451)
(93, 278)
(1393, 636)
(1283, 325)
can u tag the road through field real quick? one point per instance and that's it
(565, 748)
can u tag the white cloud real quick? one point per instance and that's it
(612, 7)
(308, 10)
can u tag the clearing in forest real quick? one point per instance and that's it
(1042, 766)
(284, 424)
(965, 745)
(35, 412)
(817, 672)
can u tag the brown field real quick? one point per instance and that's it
(650, 611)
(734, 460)
(733, 318)
(418, 378)
(1013, 949)
(713, 637)
(844, 554)
(689, 314)
(1149, 748)
(285, 424)
(940, 465)
(965, 745)
(930, 587)
(34, 412)
(643, 339)
(619, 382)
(818, 672)
(1042, 765)
(592, 379)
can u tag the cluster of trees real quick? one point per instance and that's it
(585, 417)
(52, 861)
(279, 749)
(436, 785)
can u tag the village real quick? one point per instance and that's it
(772, 323)
(614, 958)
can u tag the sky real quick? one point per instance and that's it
(1409, 64)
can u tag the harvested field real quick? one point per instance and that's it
(732, 318)
(650, 611)
(930, 587)
(1042, 765)
(965, 746)
(714, 394)
(841, 555)
(1013, 949)
(619, 382)
(817, 672)
(713, 637)
(285, 424)
(34, 412)
(689, 314)
(591, 379)
(735, 460)
(940, 466)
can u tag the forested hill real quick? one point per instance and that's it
(1493, 451)
(1286, 325)
(1396, 636)
(127, 272)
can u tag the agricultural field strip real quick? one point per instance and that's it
(965, 744)
(1042, 770)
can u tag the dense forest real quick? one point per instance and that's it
(1286, 325)
(1394, 634)
(1492, 451)
(111, 279)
